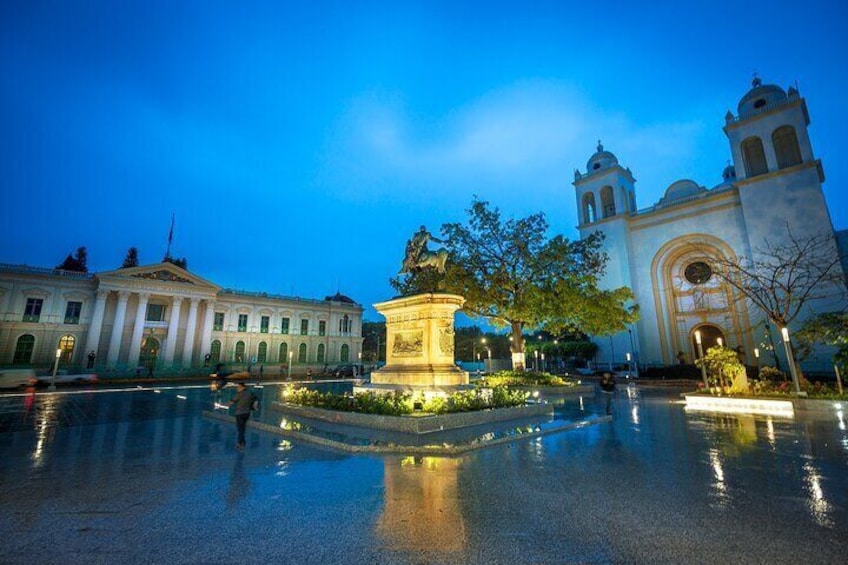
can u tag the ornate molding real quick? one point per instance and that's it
(446, 340)
(408, 344)
(163, 275)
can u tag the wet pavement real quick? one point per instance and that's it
(140, 476)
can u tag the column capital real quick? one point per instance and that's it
(194, 300)
(124, 295)
(144, 296)
(177, 300)
(103, 294)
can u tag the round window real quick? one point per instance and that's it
(698, 272)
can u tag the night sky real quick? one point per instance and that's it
(299, 145)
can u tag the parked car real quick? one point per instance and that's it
(16, 378)
(63, 377)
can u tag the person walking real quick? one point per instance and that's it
(243, 401)
(608, 389)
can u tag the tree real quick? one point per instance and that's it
(831, 329)
(511, 273)
(77, 263)
(373, 342)
(131, 260)
(181, 263)
(783, 279)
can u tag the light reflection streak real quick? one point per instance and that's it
(817, 504)
(770, 433)
(718, 473)
(49, 406)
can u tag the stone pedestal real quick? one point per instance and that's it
(420, 342)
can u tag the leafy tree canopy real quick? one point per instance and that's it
(511, 273)
(131, 260)
(77, 263)
(830, 328)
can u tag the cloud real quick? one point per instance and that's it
(529, 136)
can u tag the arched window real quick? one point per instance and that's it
(262, 352)
(607, 202)
(66, 344)
(215, 351)
(710, 335)
(344, 353)
(754, 157)
(786, 147)
(301, 353)
(23, 349)
(344, 325)
(239, 356)
(320, 357)
(589, 213)
(284, 352)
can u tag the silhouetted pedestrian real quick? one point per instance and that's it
(243, 401)
(91, 357)
(608, 389)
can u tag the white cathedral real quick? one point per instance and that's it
(165, 319)
(663, 252)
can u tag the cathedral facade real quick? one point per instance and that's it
(666, 253)
(165, 319)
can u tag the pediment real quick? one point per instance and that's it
(161, 272)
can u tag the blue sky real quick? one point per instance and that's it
(301, 144)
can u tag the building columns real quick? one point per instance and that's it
(173, 326)
(191, 327)
(92, 341)
(206, 335)
(118, 328)
(138, 329)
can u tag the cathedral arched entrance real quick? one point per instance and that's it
(710, 334)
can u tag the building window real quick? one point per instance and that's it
(322, 327)
(218, 324)
(320, 355)
(23, 349)
(155, 313)
(66, 344)
(215, 351)
(607, 202)
(262, 352)
(239, 353)
(72, 312)
(304, 326)
(786, 147)
(301, 353)
(754, 157)
(32, 313)
(242, 323)
(589, 214)
(264, 322)
(698, 272)
(344, 354)
(284, 352)
(284, 326)
(344, 325)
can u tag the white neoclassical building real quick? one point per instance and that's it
(663, 252)
(166, 318)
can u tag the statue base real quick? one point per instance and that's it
(420, 343)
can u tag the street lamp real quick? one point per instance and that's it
(757, 355)
(55, 367)
(543, 361)
(629, 367)
(720, 342)
(291, 354)
(791, 358)
(701, 357)
(536, 353)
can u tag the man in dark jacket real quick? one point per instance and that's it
(608, 389)
(243, 401)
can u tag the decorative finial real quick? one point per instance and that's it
(600, 147)
(757, 81)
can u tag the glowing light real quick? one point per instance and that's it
(181, 396)
(698, 337)
(780, 408)
(785, 333)
(756, 353)
(720, 342)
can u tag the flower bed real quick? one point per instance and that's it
(521, 378)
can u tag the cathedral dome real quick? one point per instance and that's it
(601, 160)
(760, 97)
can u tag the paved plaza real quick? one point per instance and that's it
(140, 476)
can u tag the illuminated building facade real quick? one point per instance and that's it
(663, 252)
(165, 318)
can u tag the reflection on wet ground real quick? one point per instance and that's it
(141, 477)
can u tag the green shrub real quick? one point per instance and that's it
(522, 378)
